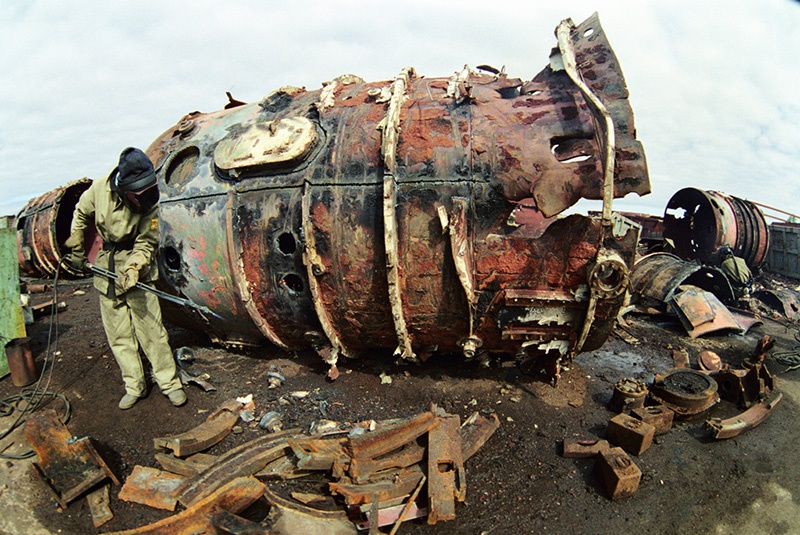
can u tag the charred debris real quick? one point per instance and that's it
(423, 215)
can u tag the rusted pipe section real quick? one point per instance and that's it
(657, 276)
(698, 222)
(417, 214)
(43, 226)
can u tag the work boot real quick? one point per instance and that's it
(128, 401)
(177, 398)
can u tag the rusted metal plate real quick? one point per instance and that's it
(231, 524)
(215, 428)
(447, 480)
(185, 467)
(153, 487)
(318, 453)
(68, 465)
(99, 501)
(702, 313)
(362, 469)
(244, 460)
(288, 517)
(234, 496)
(475, 431)
(699, 222)
(733, 427)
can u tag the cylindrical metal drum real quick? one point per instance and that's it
(21, 364)
(44, 225)
(699, 222)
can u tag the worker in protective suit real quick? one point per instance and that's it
(124, 208)
(735, 268)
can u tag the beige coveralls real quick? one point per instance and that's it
(134, 316)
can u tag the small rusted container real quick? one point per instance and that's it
(628, 394)
(20, 362)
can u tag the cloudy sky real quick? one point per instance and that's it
(714, 84)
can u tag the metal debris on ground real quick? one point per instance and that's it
(703, 313)
(69, 466)
(619, 474)
(628, 394)
(733, 427)
(378, 475)
(633, 435)
(205, 435)
(689, 393)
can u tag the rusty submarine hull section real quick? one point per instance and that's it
(417, 214)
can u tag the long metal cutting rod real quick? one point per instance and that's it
(163, 295)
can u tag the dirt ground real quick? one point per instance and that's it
(516, 484)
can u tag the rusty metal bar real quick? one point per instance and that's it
(564, 34)
(244, 460)
(215, 428)
(733, 427)
(234, 496)
(382, 441)
(391, 131)
(315, 268)
(447, 481)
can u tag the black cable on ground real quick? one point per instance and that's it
(791, 357)
(31, 398)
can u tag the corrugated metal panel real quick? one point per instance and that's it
(783, 256)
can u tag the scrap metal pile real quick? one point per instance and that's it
(419, 215)
(381, 473)
(681, 393)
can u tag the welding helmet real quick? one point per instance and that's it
(134, 180)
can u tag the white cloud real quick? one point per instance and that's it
(712, 83)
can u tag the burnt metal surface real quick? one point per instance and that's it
(658, 275)
(379, 215)
(43, 226)
(99, 506)
(215, 428)
(688, 393)
(699, 222)
(68, 466)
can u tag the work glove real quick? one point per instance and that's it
(127, 279)
(77, 260)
